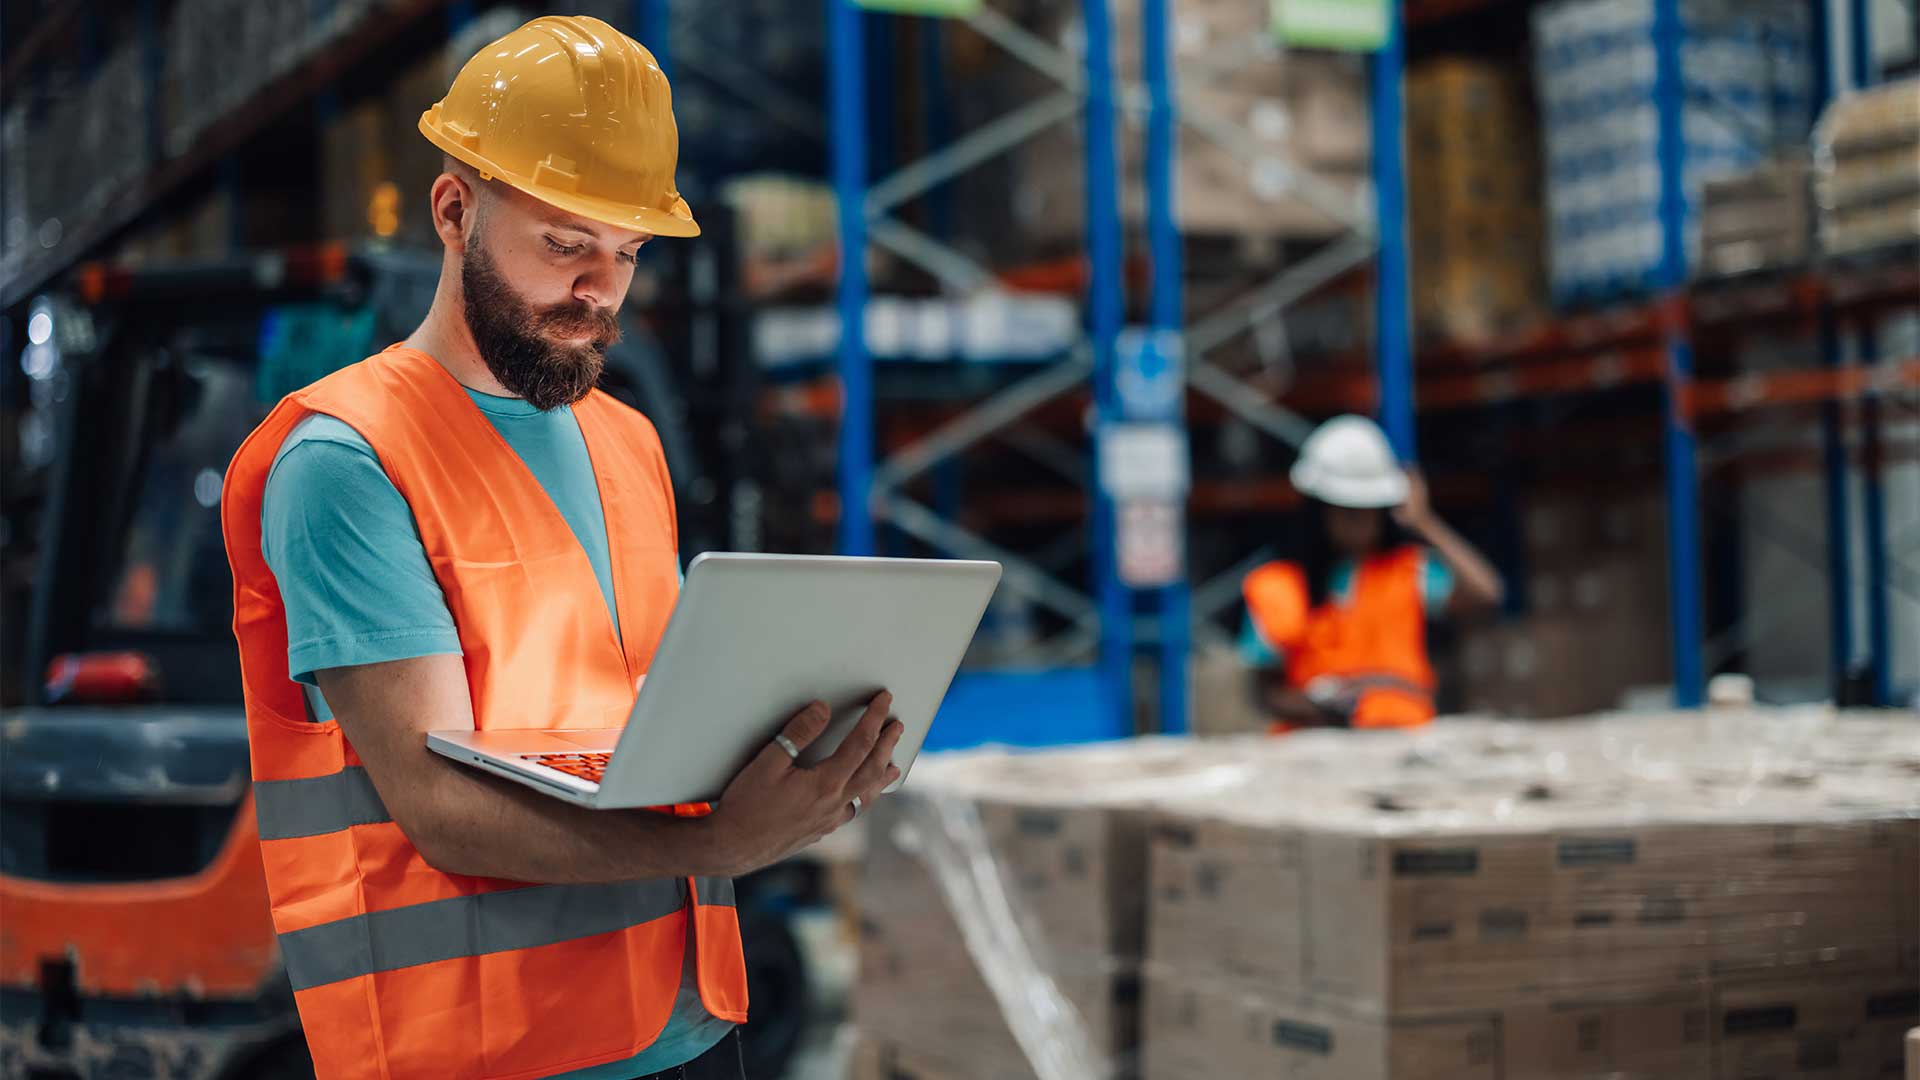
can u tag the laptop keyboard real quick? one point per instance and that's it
(589, 766)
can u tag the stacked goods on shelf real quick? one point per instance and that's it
(1761, 219)
(1724, 895)
(779, 216)
(378, 168)
(1868, 150)
(1272, 143)
(1746, 85)
(958, 965)
(1473, 160)
(1597, 611)
(1729, 894)
(68, 160)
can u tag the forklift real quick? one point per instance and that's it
(135, 938)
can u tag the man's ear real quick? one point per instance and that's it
(454, 205)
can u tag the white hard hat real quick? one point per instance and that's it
(1347, 462)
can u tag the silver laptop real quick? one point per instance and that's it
(753, 639)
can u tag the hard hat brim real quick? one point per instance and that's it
(1354, 493)
(677, 222)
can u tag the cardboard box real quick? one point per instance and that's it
(1625, 586)
(1067, 847)
(1818, 900)
(1814, 1028)
(920, 988)
(1478, 246)
(1210, 1027)
(1229, 899)
(1277, 149)
(1224, 691)
(1403, 924)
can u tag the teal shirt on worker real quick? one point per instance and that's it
(1436, 588)
(358, 589)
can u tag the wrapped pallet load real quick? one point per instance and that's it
(1725, 894)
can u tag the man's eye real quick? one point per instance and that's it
(561, 249)
(629, 256)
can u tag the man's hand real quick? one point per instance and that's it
(776, 806)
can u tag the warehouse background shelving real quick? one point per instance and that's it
(809, 107)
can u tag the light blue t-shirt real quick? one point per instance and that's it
(1436, 588)
(358, 589)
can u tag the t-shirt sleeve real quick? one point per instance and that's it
(1255, 649)
(1436, 582)
(343, 546)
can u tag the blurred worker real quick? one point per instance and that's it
(461, 530)
(1339, 634)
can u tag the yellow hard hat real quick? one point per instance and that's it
(575, 114)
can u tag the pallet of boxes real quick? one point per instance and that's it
(1002, 911)
(1731, 895)
(1621, 898)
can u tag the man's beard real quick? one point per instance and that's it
(517, 341)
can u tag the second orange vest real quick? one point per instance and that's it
(401, 970)
(1377, 638)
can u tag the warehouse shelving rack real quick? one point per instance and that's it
(1651, 344)
(868, 490)
(1565, 361)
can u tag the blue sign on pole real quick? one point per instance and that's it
(1150, 375)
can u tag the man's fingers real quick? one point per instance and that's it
(805, 726)
(853, 751)
(873, 794)
(871, 773)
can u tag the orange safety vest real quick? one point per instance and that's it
(398, 969)
(1378, 638)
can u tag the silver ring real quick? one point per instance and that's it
(786, 744)
(856, 806)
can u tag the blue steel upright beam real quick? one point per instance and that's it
(1829, 79)
(1394, 315)
(1863, 70)
(846, 72)
(1833, 451)
(1873, 513)
(1163, 246)
(1103, 324)
(1683, 481)
(653, 26)
(1873, 496)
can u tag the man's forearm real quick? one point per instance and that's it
(469, 822)
(465, 821)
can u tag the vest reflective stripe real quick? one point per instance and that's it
(313, 805)
(472, 926)
(714, 890)
(1377, 638)
(401, 969)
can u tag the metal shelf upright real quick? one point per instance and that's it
(1378, 234)
(867, 491)
(1101, 623)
